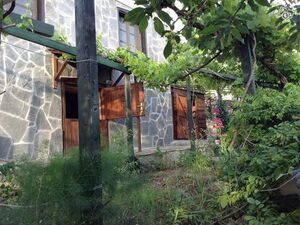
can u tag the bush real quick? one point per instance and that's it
(266, 134)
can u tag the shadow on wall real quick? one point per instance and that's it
(6, 148)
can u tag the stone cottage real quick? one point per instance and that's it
(37, 111)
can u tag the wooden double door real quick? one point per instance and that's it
(180, 114)
(112, 106)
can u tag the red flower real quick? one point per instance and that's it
(216, 111)
(218, 123)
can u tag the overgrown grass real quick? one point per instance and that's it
(51, 193)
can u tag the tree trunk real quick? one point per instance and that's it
(247, 65)
(88, 110)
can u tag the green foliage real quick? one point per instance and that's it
(210, 26)
(104, 52)
(60, 37)
(219, 25)
(266, 150)
(8, 185)
(177, 196)
(52, 193)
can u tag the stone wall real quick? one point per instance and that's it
(157, 124)
(30, 109)
(61, 14)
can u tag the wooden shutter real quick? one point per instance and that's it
(180, 120)
(199, 116)
(180, 114)
(113, 102)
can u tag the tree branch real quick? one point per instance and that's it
(276, 72)
(203, 65)
(231, 214)
(196, 69)
(12, 7)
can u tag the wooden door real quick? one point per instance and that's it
(112, 107)
(180, 114)
(199, 116)
(71, 134)
(70, 119)
(180, 119)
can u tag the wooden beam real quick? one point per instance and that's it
(63, 67)
(58, 73)
(55, 71)
(190, 113)
(88, 111)
(129, 125)
(49, 43)
(118, 80)
(37, 25)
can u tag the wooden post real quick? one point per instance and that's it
(88, 110)
(104, 134)
(190, 113)
(138, 121)
(129, 125)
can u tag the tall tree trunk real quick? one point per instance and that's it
(88, 110)
(247, 65)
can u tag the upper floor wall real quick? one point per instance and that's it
(61, 14)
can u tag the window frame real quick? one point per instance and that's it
(37, 9)
(143, 48)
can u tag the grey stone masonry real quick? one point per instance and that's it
(157, 124)
(30, 109)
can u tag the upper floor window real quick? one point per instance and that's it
(31, 8)
(130, 36)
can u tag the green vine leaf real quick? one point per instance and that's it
(253, 6)
(159, 26)
(282, 25)
(263, 2)
(210, 30)
(135, 15)
(143, 24)
(141, 2)
(168, 49)
(165, 17)
(237, 35)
